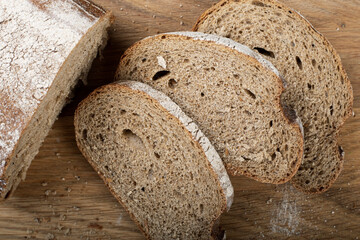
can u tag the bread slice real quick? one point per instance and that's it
(46, 46)
(318, 87)
(230, 92)
(154, 159)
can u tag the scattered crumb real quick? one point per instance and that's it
(50, 236)
(269, 201)
(182, 23)
(62, 217)
(44, 184)
(181, 16)
(68, 189)
(181, 5)
(47, 192)
(76, 208)
(332, 212)
(57, 155)
(38, 220)
(343, 25)
(77, 178)
(154, 16)
(53, 192)
(63, 179)
(67, 232)
(121, 9)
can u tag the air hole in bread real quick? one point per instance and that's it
(273, 156)
(309, 86)
(298, 62)
(265, 52)
(307, 181)
(143, 60)
(100, 136)
(122, 111)
(163, 37)
(236, 76)
(313, 62)
(84, 134)
(202, 94)
(331, 110)
(258, 3)
(319, 67)
(107, 168)
(247, 112)
(172, 83)
(133, 140)
(92, 115)
(201, 208)
(250, 93)
(143, 189)
(156, 155)
(290, 12)
(186, 60)
(271, 123)
(246, 158)
(160, 74)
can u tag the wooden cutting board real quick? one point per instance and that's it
(63, 198)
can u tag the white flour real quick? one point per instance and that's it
(285, 217)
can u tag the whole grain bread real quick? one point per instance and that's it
(231, 92)
(318, 87)
(155, 161)
(45, 47)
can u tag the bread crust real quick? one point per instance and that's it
(337, 58)
(196, 37)
(129, 86)
(84, 7)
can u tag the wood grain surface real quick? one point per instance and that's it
(63, 198)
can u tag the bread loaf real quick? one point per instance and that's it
(45, 47)
(155, 161)
(231, 92)
(318, 87)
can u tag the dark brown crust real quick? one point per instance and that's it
(8, 159)
(337, 58)
(229, 168)
(113, 87)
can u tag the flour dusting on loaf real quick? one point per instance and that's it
(45, 47)
(25, 75)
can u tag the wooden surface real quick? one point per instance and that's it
(63, 198)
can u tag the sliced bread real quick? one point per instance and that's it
(155, 161)
(231, 92)
(45, 47)
(318, 87)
